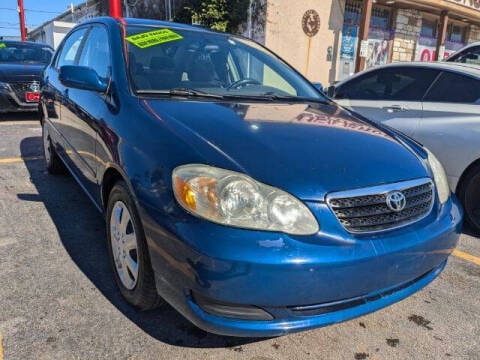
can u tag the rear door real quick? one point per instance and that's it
(391, 95)
(450, 126)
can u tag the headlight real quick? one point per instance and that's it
(3, 86)
(234, 199)
(439, 177)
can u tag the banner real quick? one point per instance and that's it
(349, 42)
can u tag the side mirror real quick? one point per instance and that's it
(319, 86)
(331, 91)
(82, 77)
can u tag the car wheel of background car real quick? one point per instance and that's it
(54, 164)
(128, 250)
(469, 194)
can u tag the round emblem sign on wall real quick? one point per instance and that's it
(311, 23)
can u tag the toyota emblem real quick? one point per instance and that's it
(396, 201)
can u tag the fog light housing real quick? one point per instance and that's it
(232, 311)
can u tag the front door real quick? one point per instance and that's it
(390, 95)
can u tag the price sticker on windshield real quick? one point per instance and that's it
(2, 46)
(152, 38)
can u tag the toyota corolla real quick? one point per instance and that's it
(232, 188)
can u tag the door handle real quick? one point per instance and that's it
(395, 108)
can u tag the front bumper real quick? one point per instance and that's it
(302, 282)
(10, 102)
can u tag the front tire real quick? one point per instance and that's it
(53, 163)
(469, 195)
(128, 250)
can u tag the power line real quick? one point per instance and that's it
(33, 10)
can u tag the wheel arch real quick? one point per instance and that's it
(461, 180)
(111, 176)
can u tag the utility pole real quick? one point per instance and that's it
(127, 8)
(21, 14)
(116, 8)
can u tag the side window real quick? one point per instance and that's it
(469, 56)
(70, 49)
(403, 84)
(455, 88)
(366, 87)
(96, 52)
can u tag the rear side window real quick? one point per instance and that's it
(468, 56)
(455, 88)
(405, 84)
(70, 49)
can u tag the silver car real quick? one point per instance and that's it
(438, 104)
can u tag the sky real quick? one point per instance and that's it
(36, 13)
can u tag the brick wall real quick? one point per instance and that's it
(407, 28)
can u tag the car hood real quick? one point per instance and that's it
(20, 72)
(305, 149)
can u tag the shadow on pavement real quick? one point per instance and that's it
(19, 116)
(82, 231)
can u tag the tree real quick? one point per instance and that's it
(222, 15)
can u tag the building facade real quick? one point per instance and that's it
(349, 39)
(52, 32)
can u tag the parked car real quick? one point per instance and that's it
(438, 104)
(232, 188)
(21, 64)
(469, 54)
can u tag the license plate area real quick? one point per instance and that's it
(32, 97)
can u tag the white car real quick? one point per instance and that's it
(469, 54)
(437, 104)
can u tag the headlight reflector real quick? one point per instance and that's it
(439, 177)
(234, 199)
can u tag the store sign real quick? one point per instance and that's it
(364, 48)
(428, 53)
(311, 23)
(474, 4)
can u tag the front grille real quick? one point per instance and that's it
(20, 87)
(366, 210)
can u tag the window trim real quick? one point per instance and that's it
(62, 45)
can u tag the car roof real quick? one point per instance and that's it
(14, 42)
(467, 69)
(152, 23)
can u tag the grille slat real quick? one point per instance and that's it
(366, 210)
(380, 208)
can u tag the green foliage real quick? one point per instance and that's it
(222, 15)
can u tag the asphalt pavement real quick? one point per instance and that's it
(58, 299)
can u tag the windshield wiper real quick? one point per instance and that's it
(274, 97)
(182, 92)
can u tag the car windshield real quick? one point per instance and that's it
(19, 53)
(190, 62)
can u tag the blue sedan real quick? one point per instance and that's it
(232, 188)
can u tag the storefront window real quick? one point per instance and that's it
(429, 28)
(455, 33)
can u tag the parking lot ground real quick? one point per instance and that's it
(58, 299)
